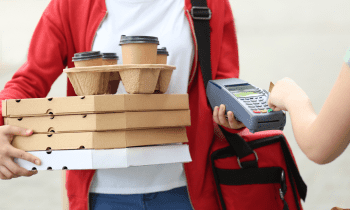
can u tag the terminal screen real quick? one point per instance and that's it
(244, 90)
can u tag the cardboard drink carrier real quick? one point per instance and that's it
(136, 78)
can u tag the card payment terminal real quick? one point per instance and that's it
(247, 102)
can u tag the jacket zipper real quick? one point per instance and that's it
(196, 46)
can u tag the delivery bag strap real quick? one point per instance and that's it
(293, 172)
(241, 148)
(250, 176)
(201, 14)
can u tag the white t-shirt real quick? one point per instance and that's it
(167, 21)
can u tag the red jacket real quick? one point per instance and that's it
(67, 27)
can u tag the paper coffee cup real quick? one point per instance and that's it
(83, 59)
(162, 57)
(109, 59)
(114, 79)
(89, 82)
(139, 49)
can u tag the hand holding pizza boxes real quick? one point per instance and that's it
(99, 130)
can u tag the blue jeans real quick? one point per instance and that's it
(175, 199)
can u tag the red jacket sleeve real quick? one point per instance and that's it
(228, 66)
(47, 57)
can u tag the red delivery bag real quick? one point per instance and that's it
(256, 171)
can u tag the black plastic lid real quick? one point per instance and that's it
(83, 56)
(162, 51)
(110, 56)
(138, 39)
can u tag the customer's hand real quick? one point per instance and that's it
(285, 93)
(8, 168)
(229, 122)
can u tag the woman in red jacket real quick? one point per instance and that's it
(67, 27)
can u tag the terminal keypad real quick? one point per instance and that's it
(256, 104)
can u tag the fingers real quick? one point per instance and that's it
(269, 103)
(215, 115)
(233, 122)
(8, 168)
(3, 177)
(219, 115)
(273, 107)
(14, 130)
(17, 170)
(276, 109)
(6, 174)
(222, 117)
(230, 118)
(17, 153)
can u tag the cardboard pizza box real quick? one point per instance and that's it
(100, 140)
(103, 122)
(94, 104)
(110, 158)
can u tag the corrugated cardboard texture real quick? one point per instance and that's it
(271, 87)
(140, 80)
(103, 122)
(100, 140)
(3, 105)
(95, 104)
(89, 83)
(164, 80)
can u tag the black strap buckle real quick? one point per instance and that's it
(239, 161)
(200, 13)
(283, 188)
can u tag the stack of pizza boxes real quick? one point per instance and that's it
(99, 129)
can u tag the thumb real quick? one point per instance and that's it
(275, 108)
(269, 103)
